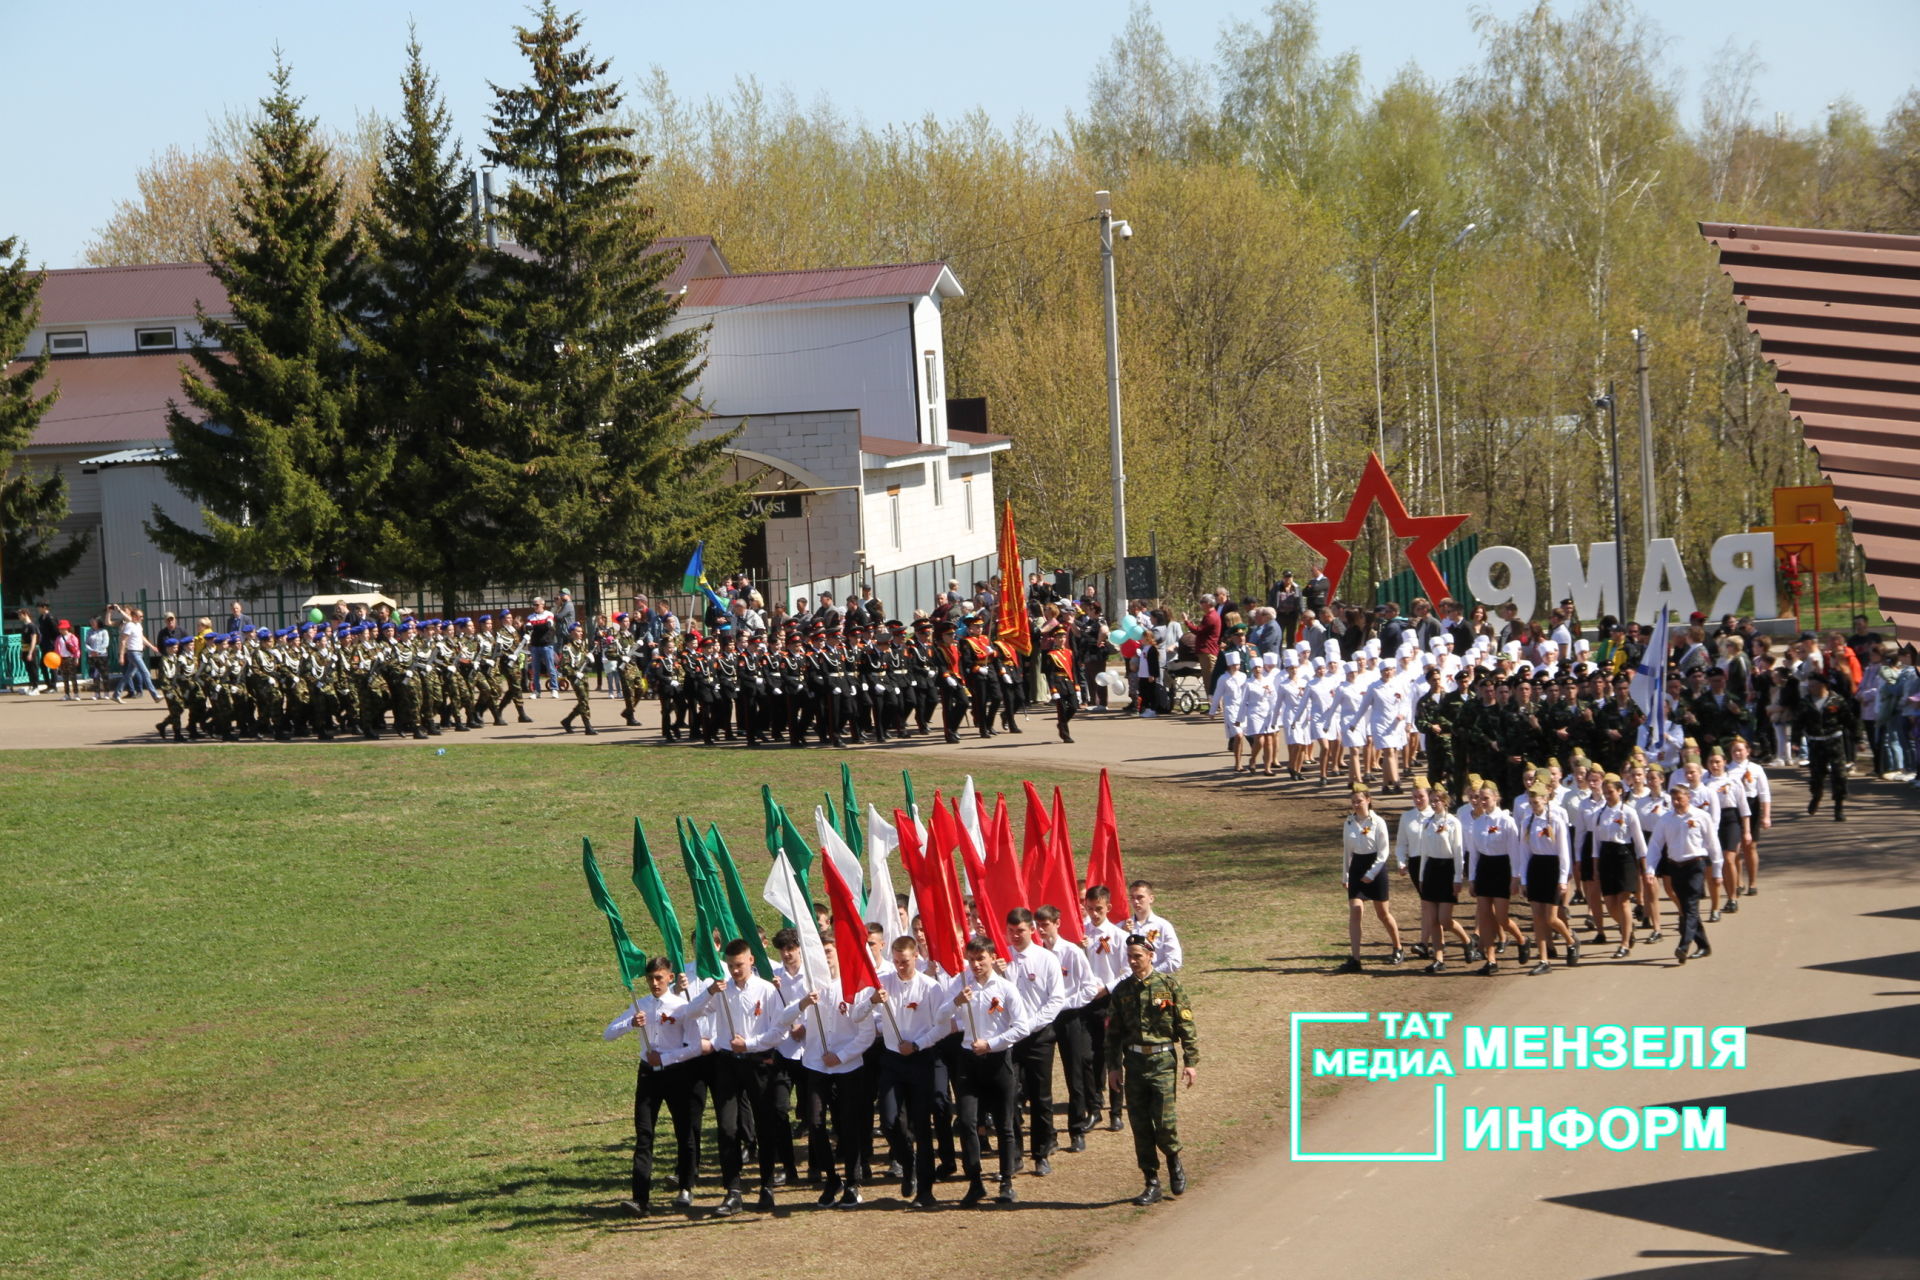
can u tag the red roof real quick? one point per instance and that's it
(78, 295)
(888, 447)
(1838, 315)
(826, 284)
(109, 399)
(699, 256)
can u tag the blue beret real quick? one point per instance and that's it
(463, 622)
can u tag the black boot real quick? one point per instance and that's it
(566, 722)
(1150, 1194)
(1176, 1175)
(728, 1206)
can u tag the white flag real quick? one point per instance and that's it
(836, 848)
(881, 909)
(970, 823)
(1649, 687)
(783, 895)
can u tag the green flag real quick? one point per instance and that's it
(799, 852)
(653, 890)
(744, 923)
(632, 963)
(907, 779)
(850, 811)
(709, 912)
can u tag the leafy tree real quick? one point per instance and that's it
(589, 460)
(424, 352)
(31, 506)
(273, 455)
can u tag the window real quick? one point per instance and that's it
(933, 425)
(67, 344)
(939, 470)
(155, 339)
(933, 378)
(893, 514)
(966, 498)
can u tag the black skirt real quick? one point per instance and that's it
(1368, 891)
(1543, 879)
(1493, 876)
(1436, 881)
(1729, 832)
(1586, 855)
(1617, 873)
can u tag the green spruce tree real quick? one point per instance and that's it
(274, 456)
(31, 505)
(424, 354)
(594, 459)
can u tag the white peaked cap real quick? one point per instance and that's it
(1233, 659)
(1273, 659)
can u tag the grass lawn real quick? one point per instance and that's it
(317, 1011)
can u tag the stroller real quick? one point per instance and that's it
(1186, 690)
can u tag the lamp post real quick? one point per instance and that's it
(1433, 336)
(1379, 399)
(1619, 537)
(1108, 227)
(1649, 522)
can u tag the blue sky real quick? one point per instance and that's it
(91, 94)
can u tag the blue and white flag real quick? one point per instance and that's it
(1649, 688)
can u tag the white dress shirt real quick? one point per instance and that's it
(1544, 835)
(914, 1003)
(1683, 837)
(664, 1025)
(1364, 841)
(792, 987)
(1406, 832)
(1167, 957)
(755, 1012)
(1035, 975)
(841, 1027)
(1490, 835)
(1078, 985)
(1440, 838)
(1106, 953)
(1617, 824)
(994, 1012)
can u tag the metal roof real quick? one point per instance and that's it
(825, 284)
(126, 457)
(112, 399)
(81, 295)
(1838, 316)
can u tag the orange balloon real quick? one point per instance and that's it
(51, 661)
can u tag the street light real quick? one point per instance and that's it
(1433, 334)
(1619, 539)
(1108, 228)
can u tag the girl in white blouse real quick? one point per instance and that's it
(1366, 851)
(1439, 859)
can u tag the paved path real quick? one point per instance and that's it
(1820, 1175)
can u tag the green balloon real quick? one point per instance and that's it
(314, 615)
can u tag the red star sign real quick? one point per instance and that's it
(1329, 537)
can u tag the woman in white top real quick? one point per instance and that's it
(1439, 868)
(1753, 780)
(1230, 704)
(1294, 712)
(1261, 700)
(1326, 719)
(1365, 851)
(1734, 817)
(1347, 696)
(1619, 849)
(1489, 839)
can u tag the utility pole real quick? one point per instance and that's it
(1108, 226)
(1649, 523)
(1619, 543)
(1433, 337)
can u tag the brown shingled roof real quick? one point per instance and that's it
(1838, 315)
(79, 295)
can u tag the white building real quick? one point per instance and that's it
(837, 379)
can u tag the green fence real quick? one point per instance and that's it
(1451, 561)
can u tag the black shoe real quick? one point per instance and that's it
(728, 1206)
(1042, 1167)
(1526, 952)
(1150, 1194)
(1118, 1123)
(1489, 969)
(1680, 953)
(591, 731)
(1837, 815)
(1621, 953)
(1176, 1175)
(945, 1172)
(1006, 1195)
(566, 722)
(638, 1208)
(1813, 806)
(1655, 936)
(525, 718)
(1397, 956)
(1732, 905)
(1573, 954)
(829, 1193)
(1019, 1164)
(850, 1198)
(976, 1192)
(909, 1187)
(1077, 1143)
(1701, 951)
(1713, 917)
(925, 1200)
(419, 733)
(765, 1203)
(684, 1200)
(1749, 891)
(1543, 967)
(1350, 965)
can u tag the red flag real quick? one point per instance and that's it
(1003, 872)
(849, 933)
(1033, 847)
(1103, 859)
(1060, 879)
(1010, 621)
(940, 865)
(992, 914)
(942, 917)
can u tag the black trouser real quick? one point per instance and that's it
(1077, 1064)
(906, 1109)
(1033, 1058)
(743, 1104)
(984, 1083)
(683, 1088)
(1090, 669)
(946, 1070)
(953, 708)
(1689, 881)
(785, 1081)
(985, 692)
(1827, 757)
(1096, 1022)
(841, 1100)
(1064, 705)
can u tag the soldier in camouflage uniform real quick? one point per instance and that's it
(576, 668)
(1433, 716)
(1148, 1016)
